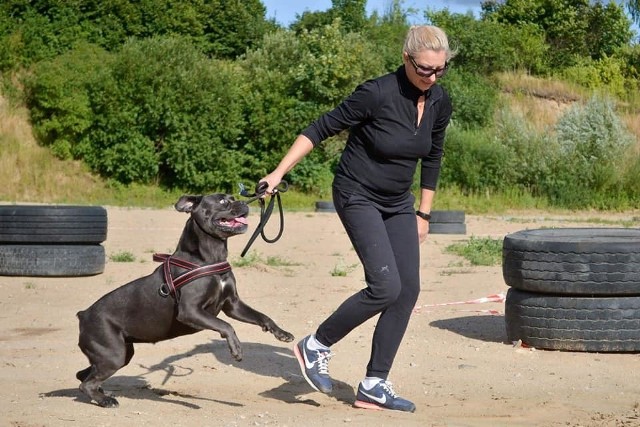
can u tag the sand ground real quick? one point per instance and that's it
(454, 363)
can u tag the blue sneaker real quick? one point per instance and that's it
(314, 365)
(382, 396)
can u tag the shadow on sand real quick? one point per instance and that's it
(263, 360)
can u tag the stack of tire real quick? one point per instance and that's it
(442, 221)
(52, 240)
(573, 289)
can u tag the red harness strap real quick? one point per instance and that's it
(194, 272)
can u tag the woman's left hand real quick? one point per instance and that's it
(423, 229)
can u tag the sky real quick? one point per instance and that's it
(285, 11)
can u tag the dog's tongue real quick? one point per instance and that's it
(241, 220)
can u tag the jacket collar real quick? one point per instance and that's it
(410, 91)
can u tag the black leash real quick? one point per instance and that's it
(265, 212)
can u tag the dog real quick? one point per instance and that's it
(161, 306)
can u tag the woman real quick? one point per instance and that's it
(395, 121)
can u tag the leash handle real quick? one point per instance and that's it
(261, 188)
(265, 212)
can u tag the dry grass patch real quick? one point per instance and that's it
(30, 173)
(555, 90)
(543, 101)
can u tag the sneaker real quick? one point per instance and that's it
(314, 365)
(382, 396)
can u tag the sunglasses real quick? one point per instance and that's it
(428, 72)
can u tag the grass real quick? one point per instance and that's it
(31, 174)
(537, 87)
(123, 256)
(540, 101)
(342, 270)
(253, 258)
(479, 251)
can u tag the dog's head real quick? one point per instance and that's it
(217, 214)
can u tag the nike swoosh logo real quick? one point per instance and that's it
(381, 400)
(306, 361)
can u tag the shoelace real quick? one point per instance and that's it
(388, 387)
(323, 361)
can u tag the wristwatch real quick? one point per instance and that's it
(425, 216)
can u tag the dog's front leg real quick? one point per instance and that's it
(238, 310)
(200, 319)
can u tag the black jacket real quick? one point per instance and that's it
(384, 144)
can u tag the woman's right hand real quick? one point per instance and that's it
(272, 179)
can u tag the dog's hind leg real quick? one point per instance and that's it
(107, 352)
(238, 310)
(101, 370)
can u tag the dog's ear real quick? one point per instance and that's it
(187, 203)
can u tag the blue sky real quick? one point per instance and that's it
(284, 11)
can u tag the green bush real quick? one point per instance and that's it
(168, 113)
(604, 75)
(157, 111)
(474, 99)
(475, 162)
(594, 146)
(58, 98)
(532, 153)
(294, 79)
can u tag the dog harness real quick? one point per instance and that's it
(171, 285)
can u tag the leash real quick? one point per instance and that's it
(265, 212)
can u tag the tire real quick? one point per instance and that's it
(573, 261)
(447, 217)
(590, 324)
(447, 228)
(51, 260)
(325, 206)
(53, 224)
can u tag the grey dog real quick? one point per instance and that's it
(158, 307)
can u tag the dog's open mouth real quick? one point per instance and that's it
(233, 222)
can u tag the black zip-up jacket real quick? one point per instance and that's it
(385, 143)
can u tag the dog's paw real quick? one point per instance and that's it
(108, 402)
(284, 336)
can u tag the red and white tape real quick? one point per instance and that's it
(500, 297)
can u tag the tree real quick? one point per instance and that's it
(488, 46)
(608, 30)
(352, 15)
(572, 28)
(633, 7)
(351, 12)
(31, 31)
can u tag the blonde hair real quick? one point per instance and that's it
(427, 37)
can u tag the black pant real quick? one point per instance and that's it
(386, 241)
